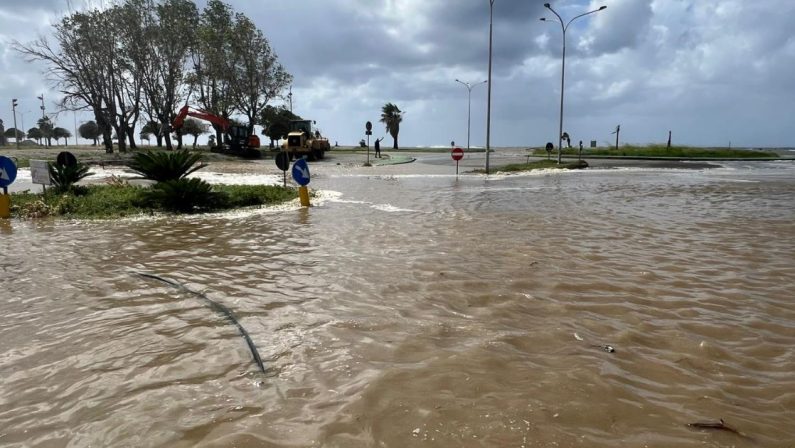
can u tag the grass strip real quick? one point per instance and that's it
(537, 165)
(119, 201)
(662, 151)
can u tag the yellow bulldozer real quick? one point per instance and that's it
(302, 141)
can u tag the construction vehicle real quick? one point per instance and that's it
(303, 141)
(237, 140)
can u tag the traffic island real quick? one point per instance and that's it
(537, 165)
(393, 160)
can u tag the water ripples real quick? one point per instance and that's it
(415, 310)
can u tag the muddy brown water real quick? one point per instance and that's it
(410, 308)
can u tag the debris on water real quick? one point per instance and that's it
(604, 347)
(720, 425)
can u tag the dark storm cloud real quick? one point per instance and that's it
(652, 65)
(624, 27)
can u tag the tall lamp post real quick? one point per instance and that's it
(469, 109)
(488, 108)
(42, 105)
(16, 131)
(22, 124)
(563, 66)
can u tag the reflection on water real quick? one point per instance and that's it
(416, 311)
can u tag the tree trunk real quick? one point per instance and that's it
(104, 129)
(195, 139)
(395, 144)
(219, 136)
(107, 140)
(159, 139)
(169, 145)
(131, 138)
(121, 132)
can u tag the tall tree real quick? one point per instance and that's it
(391, 116)
(256, 75)
(213, 51)
(79, 64)
(89, 131)
(168, 31)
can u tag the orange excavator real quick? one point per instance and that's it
(237, 140)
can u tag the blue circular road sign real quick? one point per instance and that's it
(301, 172)
(8, 171)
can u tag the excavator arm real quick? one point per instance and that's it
(186, 111)
(236, 137)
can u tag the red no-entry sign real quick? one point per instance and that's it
(458, 154)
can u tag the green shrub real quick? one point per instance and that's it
(64, 177)
(161, 166)
(183, 195)
(116, 201)
(101, 201)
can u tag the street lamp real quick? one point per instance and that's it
(16, 131)
(22, 122)
(563, 66)
(42, 104)
(469, 109)
(488, 108)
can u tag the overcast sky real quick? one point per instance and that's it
(715, 72)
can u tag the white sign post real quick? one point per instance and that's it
(40, 172)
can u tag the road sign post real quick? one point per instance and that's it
(283, 163)
(457, 154)
(368, 131)
(8, 174)
(40, 173)
(301, 176)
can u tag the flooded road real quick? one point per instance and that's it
(409, 308)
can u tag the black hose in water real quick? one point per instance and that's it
(217, 307)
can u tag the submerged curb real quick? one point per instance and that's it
(394, 160)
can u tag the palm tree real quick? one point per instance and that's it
(46, 128)
(391, 117)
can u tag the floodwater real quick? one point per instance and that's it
(409, 308)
